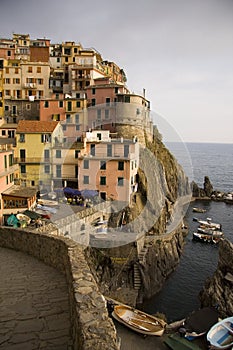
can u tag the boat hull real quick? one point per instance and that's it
(220, 336)
(139, 321)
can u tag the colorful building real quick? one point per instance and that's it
(109, 165)
(34, 143)
(9, 171)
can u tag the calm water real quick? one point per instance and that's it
(199, 261)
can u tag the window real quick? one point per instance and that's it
(58, 170)
(23, 169)
(40, 81)
(7, 81)
(86, 164)
(38, 69)
(126, 151)
(61, 104)
(78, 95)
(116, 90)
(8, 53)
(58, 153)
(107, 101)
(93, 101)
(68, 118)
(78, 104)
(32, 183)
(102, 180)
(3, 132)
(69, 106)
(47, 169)
(127, 99)
(109, 150)
(10, 159)
(106, 113)
(76, 118)
(29, 69)
(64, 127)
(120, 165)
(28, 107)
(99, 136)
(46, 104)
(77, 127)
(46, 138)
(93, 91)
(102, 165)
(7, 108)
(16, 70)
(98, 114)
(7, 180)
(93, 149)
(5, 161)
(120, 181)
(46, 154)
(21, 137)
(86, 179)
(76, 153)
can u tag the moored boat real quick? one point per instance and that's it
(198, 210)
(139, 321)
(208, 231)
(208, 224)
(220, 336)
(206, 238)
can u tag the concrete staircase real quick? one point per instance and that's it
(136, 271)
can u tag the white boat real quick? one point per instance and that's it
(220, 336)
(208, 224)
(206, 238)
(209, 231)
(139, 321)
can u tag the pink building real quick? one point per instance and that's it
(109, 165)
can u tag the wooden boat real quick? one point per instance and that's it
(201, 237)
(176, 342)
(198, 210)
(138, 320)
(220, 336)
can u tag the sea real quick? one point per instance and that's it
(180, 293)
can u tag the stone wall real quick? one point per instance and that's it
(91, 326)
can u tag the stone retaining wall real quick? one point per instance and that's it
(91, 326)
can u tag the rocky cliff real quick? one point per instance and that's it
(139, 268)
(218, 290)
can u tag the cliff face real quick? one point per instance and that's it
(218, 289)
(138, 270)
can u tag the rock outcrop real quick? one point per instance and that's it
(218, 289)
(206, 191)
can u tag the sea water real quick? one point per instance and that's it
(179, 295)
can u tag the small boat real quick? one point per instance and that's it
(208, 224)
(209, 231)
(139, 321)
(206, 238)
(199, 210)
(220, 336)
(176, 342)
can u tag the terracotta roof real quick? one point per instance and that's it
(36, 126)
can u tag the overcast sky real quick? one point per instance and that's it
(180, 51)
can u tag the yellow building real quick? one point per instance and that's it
(34, 143)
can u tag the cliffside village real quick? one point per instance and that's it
(60, 105)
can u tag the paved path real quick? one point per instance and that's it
(34, 309)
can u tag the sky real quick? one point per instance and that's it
(179, 51)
